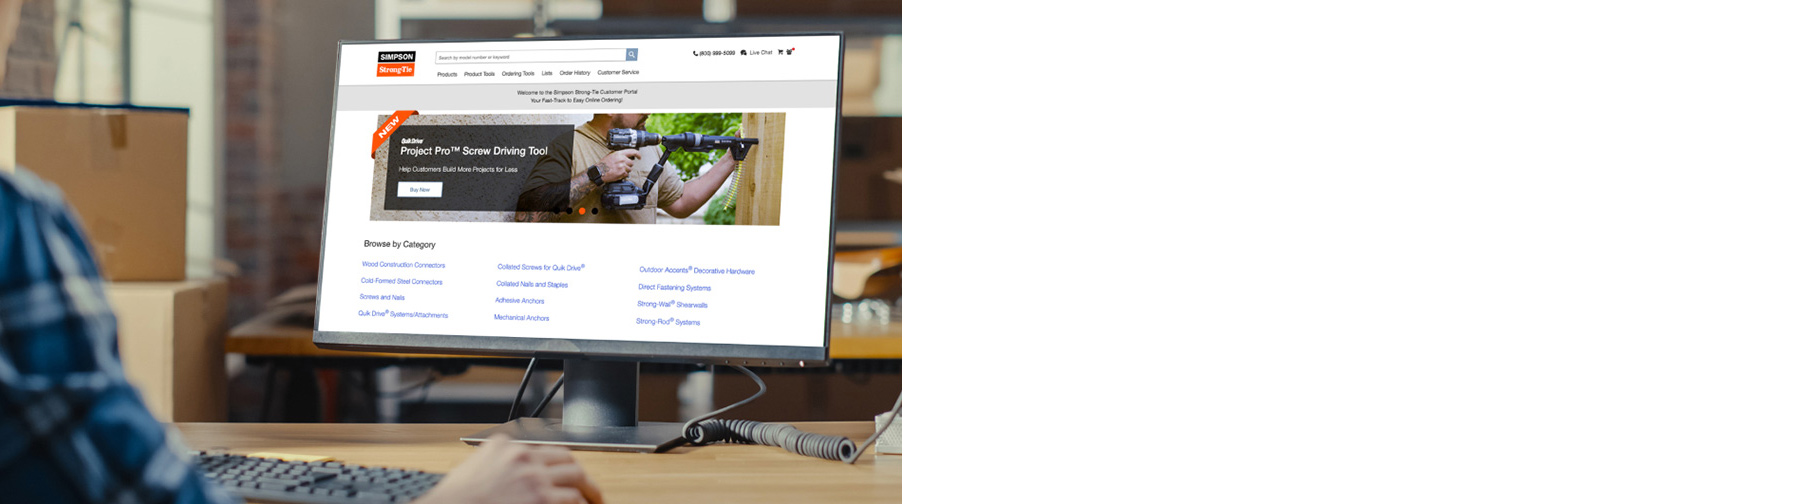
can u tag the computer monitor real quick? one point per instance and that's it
(606, 201)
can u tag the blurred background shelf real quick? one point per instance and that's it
(284, 377)
(854, 234)
(274, 334)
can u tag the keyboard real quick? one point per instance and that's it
(274, 480)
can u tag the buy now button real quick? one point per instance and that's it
(421, 190)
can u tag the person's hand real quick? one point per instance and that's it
(617, 165)
(502, 471)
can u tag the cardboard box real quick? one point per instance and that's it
(125, 172)
(172, 342)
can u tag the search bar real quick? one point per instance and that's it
(538, 56)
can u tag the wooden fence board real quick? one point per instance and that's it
(759, 177)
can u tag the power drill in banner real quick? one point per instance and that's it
(624, 195)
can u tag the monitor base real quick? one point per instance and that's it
(645, 437)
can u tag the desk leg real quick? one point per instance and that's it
(268, 395)
(387, 403)
(299, 400)
(303, 397)
(328, 395)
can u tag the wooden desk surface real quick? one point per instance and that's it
(717, 473)
(267, 335)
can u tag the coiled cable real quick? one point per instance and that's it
(786, 436)
(761, 388)
(703, 430)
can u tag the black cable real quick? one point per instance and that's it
(687, 429)
(425, 390)
(553, 389)
(513, 412)
(394, 394)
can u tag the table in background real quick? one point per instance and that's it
(267, 335)
(276, 339)
(716, 473)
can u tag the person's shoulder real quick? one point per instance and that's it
(31, 212)
(564, 142)
(21, 188)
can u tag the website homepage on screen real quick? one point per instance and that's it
(651, 190)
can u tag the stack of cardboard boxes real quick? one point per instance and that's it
(124, 170)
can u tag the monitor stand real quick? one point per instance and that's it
(600, 404)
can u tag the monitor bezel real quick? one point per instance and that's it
(525, 346)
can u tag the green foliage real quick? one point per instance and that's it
(689, 163)
(722, 211)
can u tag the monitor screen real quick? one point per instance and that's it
(648, 198)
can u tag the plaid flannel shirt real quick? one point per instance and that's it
(71, 428)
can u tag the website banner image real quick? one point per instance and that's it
(602, 168)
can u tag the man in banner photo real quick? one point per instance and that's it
(565, 178)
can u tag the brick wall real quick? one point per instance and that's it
(271, 225)
(31, 60)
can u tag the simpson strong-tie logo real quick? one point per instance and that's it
(395, 64)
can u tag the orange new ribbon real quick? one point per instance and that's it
(387, 129)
